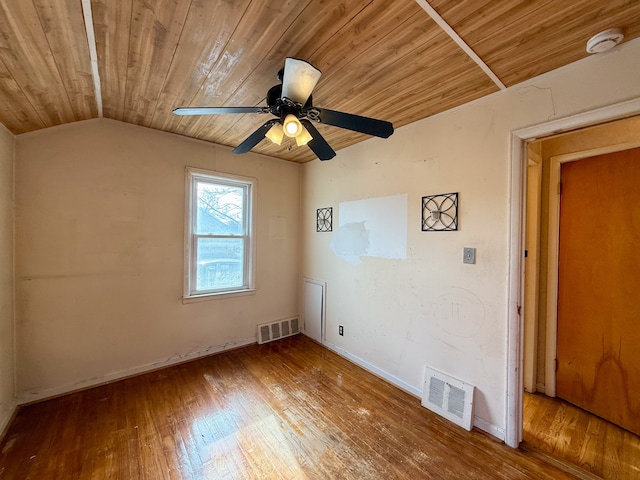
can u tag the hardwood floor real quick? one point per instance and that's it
(285, 410)
(573, 435)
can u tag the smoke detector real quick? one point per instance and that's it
(604, 41)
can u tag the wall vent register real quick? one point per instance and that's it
(449, 397)
(268, 332)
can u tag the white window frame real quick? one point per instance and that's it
(192, 177)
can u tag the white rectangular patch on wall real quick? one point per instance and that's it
(372, 227)
(449, 397)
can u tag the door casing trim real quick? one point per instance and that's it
(517, 218)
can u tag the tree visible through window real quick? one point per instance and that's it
(219, 245)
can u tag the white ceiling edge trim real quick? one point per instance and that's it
(93, 53)
(461, 43)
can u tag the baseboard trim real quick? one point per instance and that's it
(35, 396)
(29, 397)
(488, 427)
(478, 422)
(7, 420)
(378, 372)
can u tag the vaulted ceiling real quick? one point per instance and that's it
(63, 61)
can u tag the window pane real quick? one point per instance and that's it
(219, 263)
(219, 209)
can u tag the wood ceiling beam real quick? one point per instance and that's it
(435, 16)
(93, 54)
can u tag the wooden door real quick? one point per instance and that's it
(598, 349)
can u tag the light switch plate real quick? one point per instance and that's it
(468, 255)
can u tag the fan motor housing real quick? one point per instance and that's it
(281, 108)
(273, 95)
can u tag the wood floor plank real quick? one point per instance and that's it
(285, 410)
(573, 435)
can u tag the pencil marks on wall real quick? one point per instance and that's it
(373, 227)
(458, 312)
(452, 317)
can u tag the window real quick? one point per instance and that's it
(219, 246)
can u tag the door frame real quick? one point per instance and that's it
(517, 217)
(533, 196)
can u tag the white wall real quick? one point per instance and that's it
(7, 347)
(99, 254)
(430, 309)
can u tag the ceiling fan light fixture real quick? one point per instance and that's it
(299, 79)
(292, 126)
(304, 137)
(292, 107)
(275, 133)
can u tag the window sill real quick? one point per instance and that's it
(217, 296)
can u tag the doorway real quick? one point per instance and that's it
(540, 279)
(542, 237)
(514, 392)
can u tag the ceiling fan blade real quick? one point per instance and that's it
(299, 79)
(370, 126)
(255, 138)
(216, 110)
(318, 144)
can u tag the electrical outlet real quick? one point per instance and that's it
(468, 255)
(340, 330)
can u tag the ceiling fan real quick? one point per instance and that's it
(291, 103)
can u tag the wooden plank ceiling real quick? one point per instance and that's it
(388, 60)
